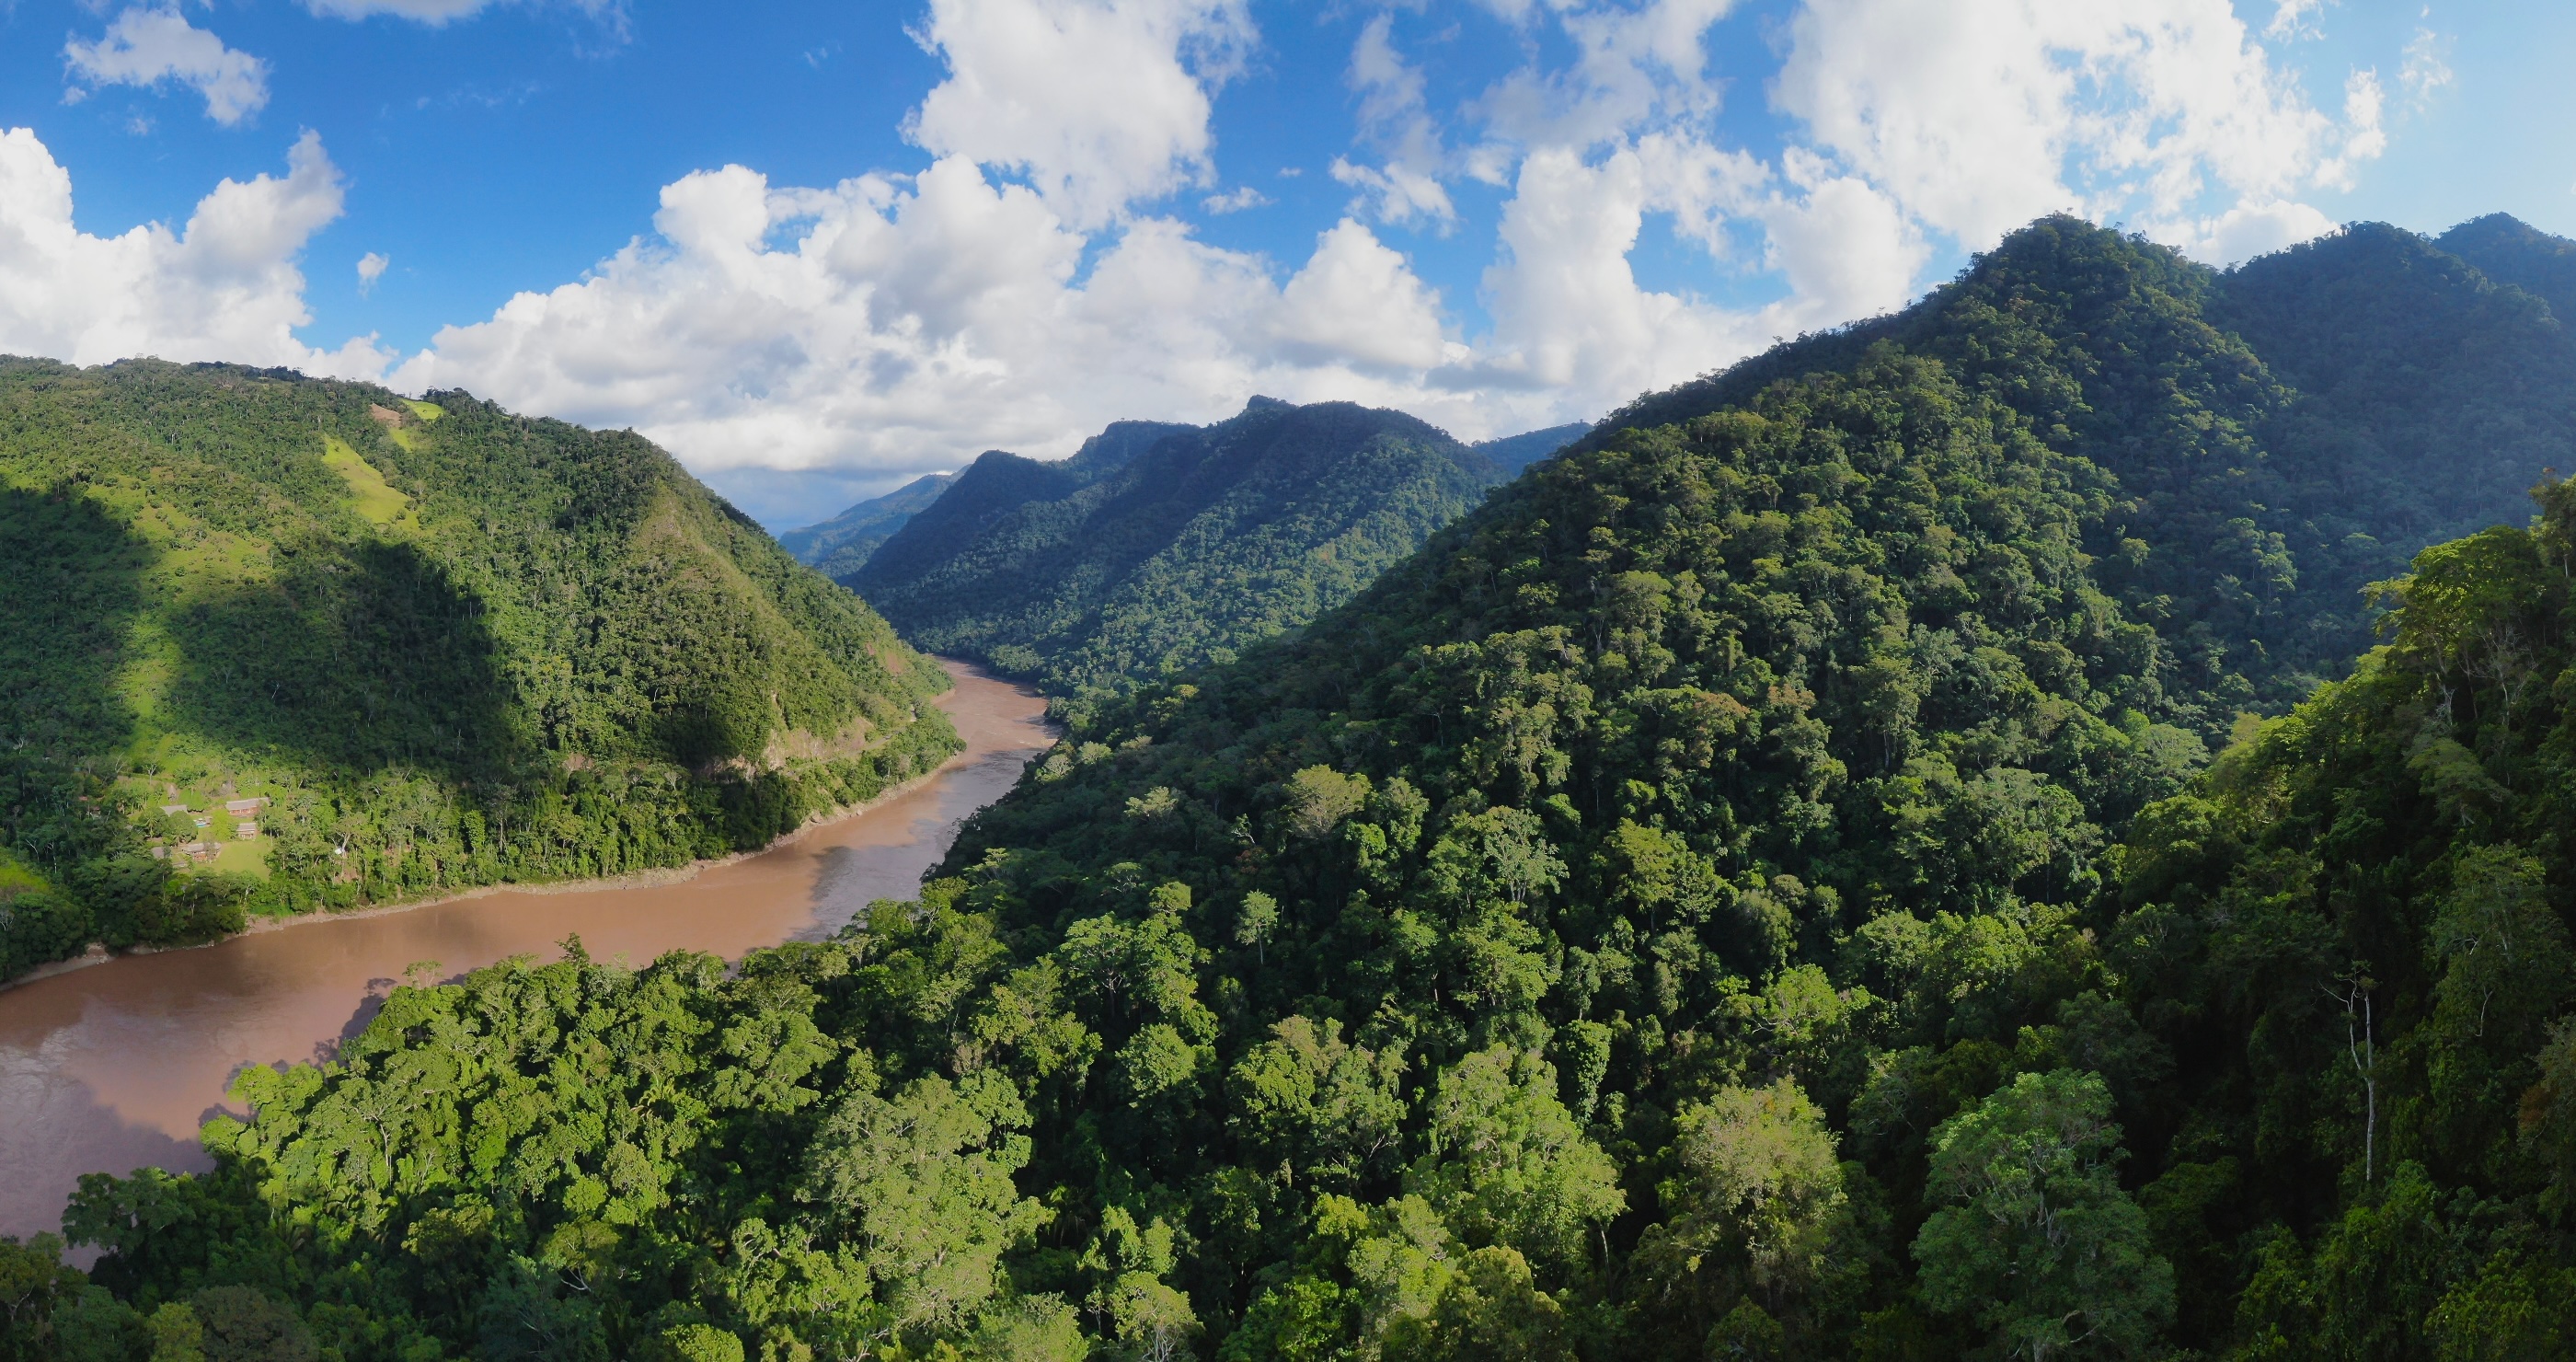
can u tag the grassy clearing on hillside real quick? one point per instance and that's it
(377, 500)
(16, 878)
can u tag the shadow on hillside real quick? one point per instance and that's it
(356, 657)
(71, 584)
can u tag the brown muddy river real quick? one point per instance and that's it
(113, 1067)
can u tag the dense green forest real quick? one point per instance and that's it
(1157, 547)
(843, 544)
(445, 645)
(1804, 874)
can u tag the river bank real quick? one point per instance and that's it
(1001, 730)
(113, 1066)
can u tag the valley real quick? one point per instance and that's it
(114, 1066)
(2030, 826)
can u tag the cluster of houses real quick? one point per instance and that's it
(243, 812)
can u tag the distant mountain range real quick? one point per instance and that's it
(1159, 545)
(1516, 452)
(841, 545)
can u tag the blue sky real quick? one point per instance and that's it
(819, 249)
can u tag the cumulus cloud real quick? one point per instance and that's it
(1018, 293)
(152, 46)
(1396, 194)
(1977, 115)
(1101, 103)
(2251, 229)
(225, 286)
(1634, 67)
(1031, 283)
(901, 325)
(371, 267)
(1568, 312)
(1394, 118)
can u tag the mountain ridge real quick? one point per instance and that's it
(839, 545)
(1097, 570)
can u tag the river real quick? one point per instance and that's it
(113, 1067)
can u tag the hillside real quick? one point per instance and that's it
(1756, 886)
(1512, 453)
(2303, 424)
(838, 546)
(1160, 547)
(414, 645)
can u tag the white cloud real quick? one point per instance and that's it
(1633, 68)
(1023, 289)
(1568, 312)
(151, 46)
(1357, 302)
(2294, 19)
(1977, 115)
(439, 13)
(371, 267)
(1235, 201)
(224, 287)
(1396, 194)
(895, 324)
(431, 12)
(2251, 229)
(900, 327)
(1102, 103)
(2426, 72)
(1704, 187)
(1395, 118)
(1844, 247)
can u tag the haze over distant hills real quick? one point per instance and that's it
(1159, 546)
(1512, 453)
(839, 546)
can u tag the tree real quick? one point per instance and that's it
(919, 1184)
(1490, 1311)
(2031, 1236)
(1312, 1106)
(1507, 1165)
(1755, 1204)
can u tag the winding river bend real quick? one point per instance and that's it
(113, 1067)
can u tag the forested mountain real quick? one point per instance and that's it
(1756, 887)
(2510, 251)
(838, 546)
(412, 645)
(998, 484)
(1512, 453)
(1159, 547)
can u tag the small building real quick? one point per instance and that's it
(245, 830)
(168, 809)
(243, 808)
